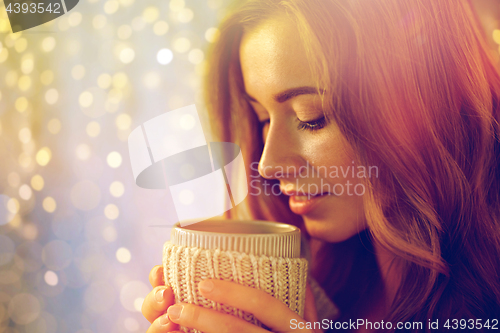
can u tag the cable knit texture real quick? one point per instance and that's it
(283, 278)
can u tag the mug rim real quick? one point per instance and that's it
(280, 240)
(281, 228)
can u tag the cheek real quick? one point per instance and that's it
(332, 156)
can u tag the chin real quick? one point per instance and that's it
(331, 231)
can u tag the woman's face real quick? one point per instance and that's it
(309, 157)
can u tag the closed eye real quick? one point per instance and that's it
(312, 125)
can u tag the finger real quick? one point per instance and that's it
(262, 305)
(156, 276)
(310, 312)
(157, 302)
(162, 325)
(208, 320)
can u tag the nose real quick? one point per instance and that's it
(280, 157)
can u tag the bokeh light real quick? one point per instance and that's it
(27, 64)
(13, 205)
(24, 135)
(127, 55)
(21, 104)
(120, 80)
(212, 34)
(123, 121)
(83, 152)
(126, 3)
(25, 192)
(195, 56)
(51, 278)
(11, 78)
(78, 72)
(114, 159)
(164, 56)
(24, 83)
(43, 156)
(74, 19)
(30, 231)
(152, 80)
(138, 23)
(54, 126)
(181, 44)
(99, 21)
(93, 129)
(4, 54)
(111, 211)
(123, 255)
(49, 204)
(150, 14)
(48, 44)
(86, 99)
(176, 5)
(111, 6)
(37, 182)
(160, 28)
(24, 308)
(104, 81)
(109, 234)
(116, 189)
(20, 45)
(25, 160)
(51, 96)
(47, 77)
(185, 15)
(124, 31)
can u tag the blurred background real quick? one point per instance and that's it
(76, 235)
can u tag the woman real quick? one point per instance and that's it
(402, 87)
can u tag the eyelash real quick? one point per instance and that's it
(313, 125)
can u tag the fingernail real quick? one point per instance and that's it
(206, 286)
(159, 295)
(164, 320)
(174, 312)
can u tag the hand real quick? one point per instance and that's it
(269, 310)
(156, 303)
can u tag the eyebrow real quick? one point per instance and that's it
(288, 94)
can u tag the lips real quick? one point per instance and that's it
(302, 203)
(308, 196)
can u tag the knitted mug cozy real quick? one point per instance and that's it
(264, 255)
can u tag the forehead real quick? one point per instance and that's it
(273, 58)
